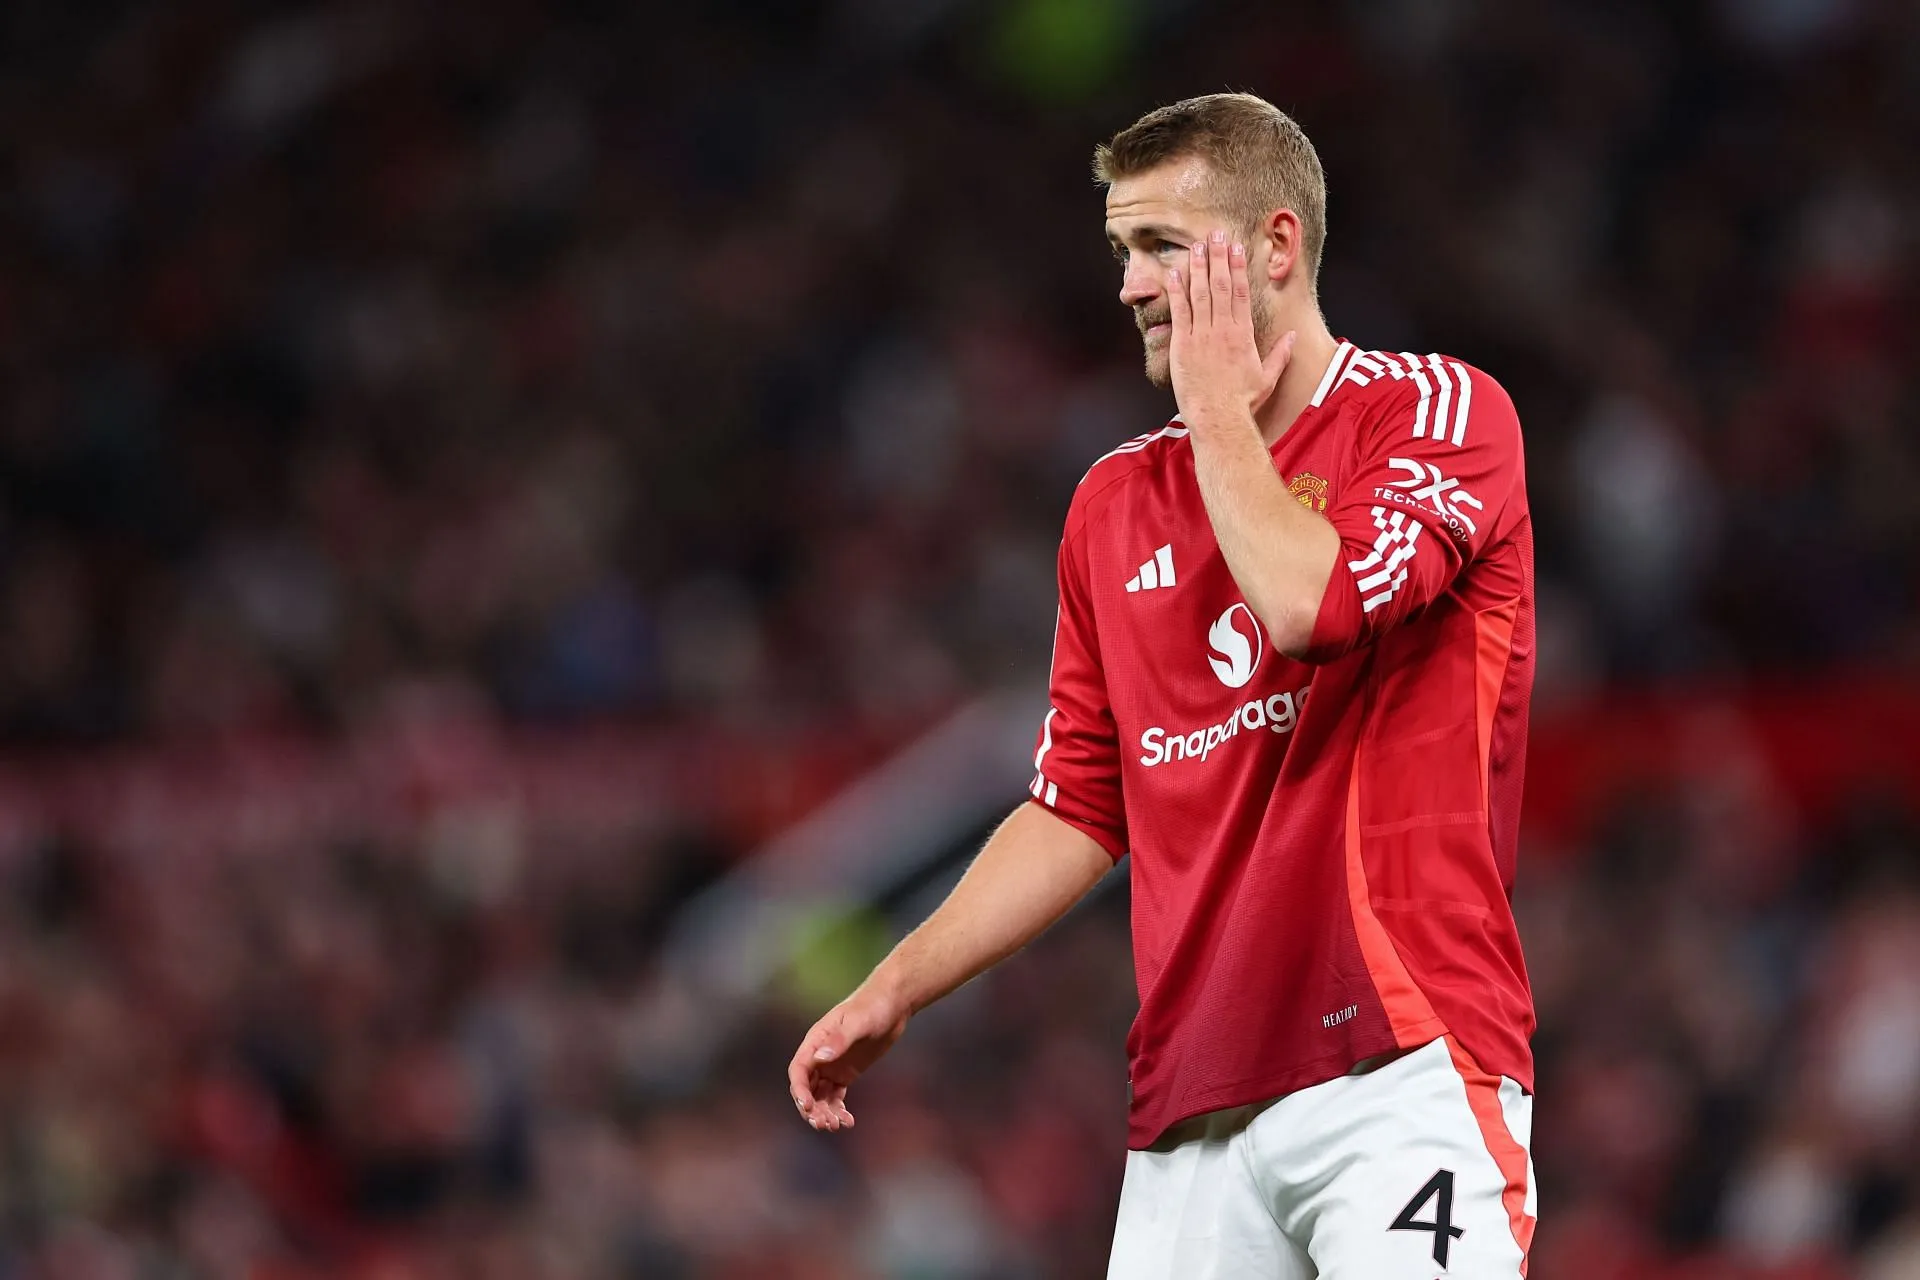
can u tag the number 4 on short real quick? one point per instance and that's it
(1439, 1189)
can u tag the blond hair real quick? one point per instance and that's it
(1261, 160)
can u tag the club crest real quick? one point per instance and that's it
(1310, 490)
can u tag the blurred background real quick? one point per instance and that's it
(526, 542)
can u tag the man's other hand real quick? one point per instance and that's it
(852, 1036)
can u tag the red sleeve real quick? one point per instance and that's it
(1077, 763)
(1440, 459)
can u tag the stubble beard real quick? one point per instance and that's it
(1160, 362)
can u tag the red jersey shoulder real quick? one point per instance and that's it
(1139, 456)
(1427, 397)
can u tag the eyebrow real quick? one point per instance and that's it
(1147, 231)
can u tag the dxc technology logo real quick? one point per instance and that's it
(1235, 640)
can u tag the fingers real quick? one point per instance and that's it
(830, 1108)
(820, 1099)
(1216, 289)
(809, 1091)
(1277, 359)
(830, 1089)
(821, 1102)
(1220, 277)
(835, 1096)
(1178, 305)
(1200, 288)
(800, 1083)
(1242, 298)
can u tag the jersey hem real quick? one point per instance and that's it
(1266, 1088)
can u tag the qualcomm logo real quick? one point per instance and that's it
(1235, 640)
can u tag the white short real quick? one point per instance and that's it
(1416, 1170)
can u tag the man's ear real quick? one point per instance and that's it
(1281, 230)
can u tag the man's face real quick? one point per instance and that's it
(1153, 219)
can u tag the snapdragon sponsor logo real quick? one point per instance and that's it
(1235, 640)
(1276, 714)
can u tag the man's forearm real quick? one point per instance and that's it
(1031, 870)
(1280, 554)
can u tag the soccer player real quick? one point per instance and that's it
(1290, 675)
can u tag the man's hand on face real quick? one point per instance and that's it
(1219, 378)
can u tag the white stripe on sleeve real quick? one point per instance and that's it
(1460, 410)
(1426, 394)
(1445, 403)
(1046, 739)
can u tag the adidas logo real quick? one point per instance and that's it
(1155, 573)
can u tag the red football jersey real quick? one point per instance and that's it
(1323, 851)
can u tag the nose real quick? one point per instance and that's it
(1140, 283)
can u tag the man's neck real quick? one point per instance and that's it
(1313, 349)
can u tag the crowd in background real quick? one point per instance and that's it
(365, 1062)
(726, 368)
